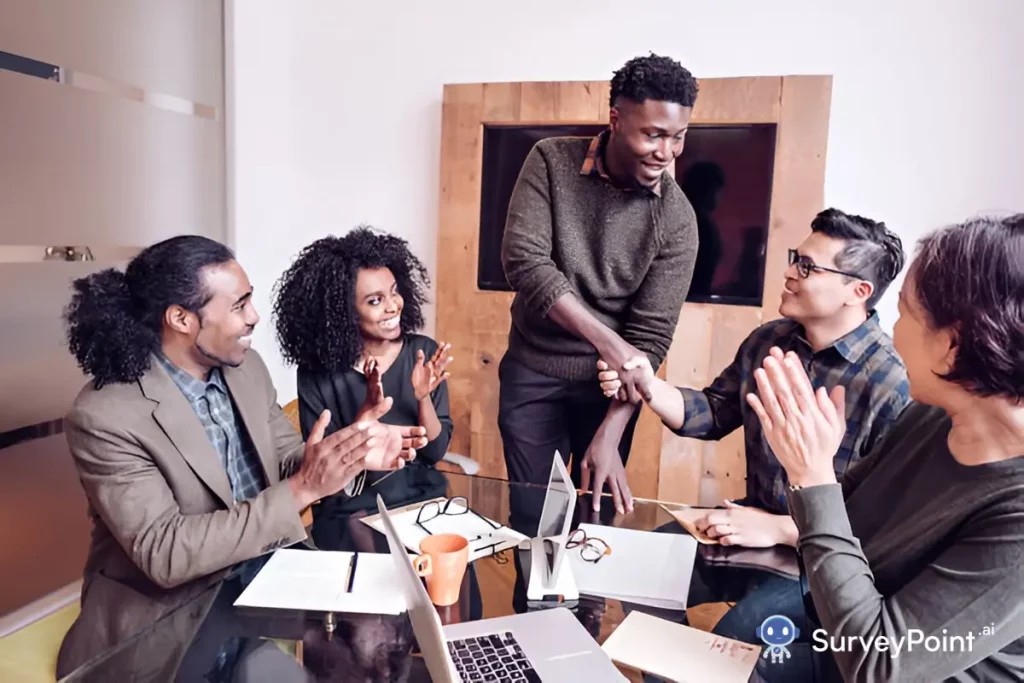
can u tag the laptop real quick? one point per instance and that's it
(548, 578)
(548, 646)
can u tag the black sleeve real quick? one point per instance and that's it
(312, 403)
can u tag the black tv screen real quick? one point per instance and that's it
(725, 172)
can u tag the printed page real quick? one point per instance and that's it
(316, 581)
(484, 539)
(644, 567)
(680, 653)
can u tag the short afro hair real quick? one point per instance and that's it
(654, 77)
(315, 299)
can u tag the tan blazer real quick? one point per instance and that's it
(166, 527)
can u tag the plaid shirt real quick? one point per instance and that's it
(594, 165)
(864, 362)
(212, 404)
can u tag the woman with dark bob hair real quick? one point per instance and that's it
(916, 564)
(347, 313)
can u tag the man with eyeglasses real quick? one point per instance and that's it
(834, 279)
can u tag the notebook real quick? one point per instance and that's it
(679, 653)
(644, 567)
(486, 537)
(318, 581)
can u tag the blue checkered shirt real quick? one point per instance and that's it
(864, 362)
(212, 404)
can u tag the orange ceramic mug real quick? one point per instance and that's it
(443, 563)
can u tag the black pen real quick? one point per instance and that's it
(352, 572)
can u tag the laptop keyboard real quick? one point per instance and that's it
(496, 657)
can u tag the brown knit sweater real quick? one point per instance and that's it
(627, 255)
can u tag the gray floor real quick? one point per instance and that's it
(44, 526)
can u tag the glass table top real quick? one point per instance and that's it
(366, 647)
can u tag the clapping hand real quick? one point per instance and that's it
(399, 447)
(804, 427)
(427, 375)
(330, 462)
(375, 402)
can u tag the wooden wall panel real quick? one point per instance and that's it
(687, 365)
(457, 240)
(476, 323)
(723, 101)
(798, 189)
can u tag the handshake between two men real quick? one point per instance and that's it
(734, 524)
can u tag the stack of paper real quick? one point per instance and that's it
(679, 653)
(644, 567)
(318, 581)
(484, 539)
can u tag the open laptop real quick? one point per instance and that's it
(556, 515)
(548, 577)
(549, 646)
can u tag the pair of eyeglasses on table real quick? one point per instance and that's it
(592, 549)
(454, 507)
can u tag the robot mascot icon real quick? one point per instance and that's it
(777, 632)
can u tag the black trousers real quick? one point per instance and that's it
(538, 415)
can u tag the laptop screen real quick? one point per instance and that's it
(556, 503)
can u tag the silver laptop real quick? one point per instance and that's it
(548, 578)
(556, 515)
(548, 645)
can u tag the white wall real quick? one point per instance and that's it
(336, 113)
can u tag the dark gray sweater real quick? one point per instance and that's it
(627, 256)
(922, 543)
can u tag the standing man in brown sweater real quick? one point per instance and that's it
(599, 247)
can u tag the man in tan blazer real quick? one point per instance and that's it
(188, 463)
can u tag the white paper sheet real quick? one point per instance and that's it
(644, 567)
(679, 653)
(316, 581)
(484, 539)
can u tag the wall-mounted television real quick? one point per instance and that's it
(725, 172)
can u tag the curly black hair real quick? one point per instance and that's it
(114, 321)
(654, 77)
(314, 300)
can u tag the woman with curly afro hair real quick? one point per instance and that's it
(347, 313)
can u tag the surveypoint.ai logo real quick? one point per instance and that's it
(915, 638)
(777, 632)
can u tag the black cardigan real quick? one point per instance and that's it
(343, 393)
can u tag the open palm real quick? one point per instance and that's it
(804, 427)
(427, 375)
(397, 446)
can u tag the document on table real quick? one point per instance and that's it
(486, 537)
(317, 580)
(679, 653)
(644, 567)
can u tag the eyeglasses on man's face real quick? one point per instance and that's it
(805, 266)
